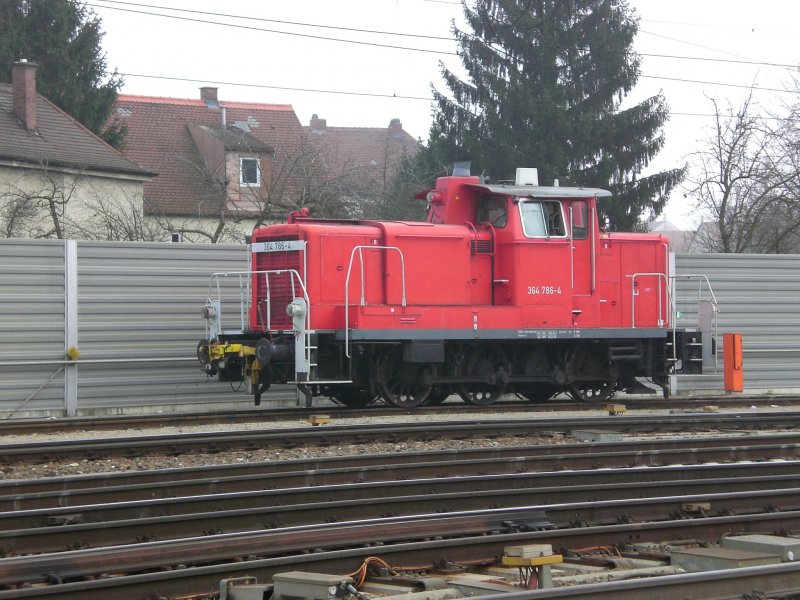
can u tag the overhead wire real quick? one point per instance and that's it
(739, 60)
(106, 4)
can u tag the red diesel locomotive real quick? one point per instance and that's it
(505, 288)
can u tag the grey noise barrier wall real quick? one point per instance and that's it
(132, 311)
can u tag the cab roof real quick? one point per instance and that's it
(541, 191)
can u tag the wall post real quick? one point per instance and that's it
(71, 327)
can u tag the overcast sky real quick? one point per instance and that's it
(299, 52)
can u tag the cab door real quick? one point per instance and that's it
(543, 287)
(582, 261)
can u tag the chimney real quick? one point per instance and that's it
(395, 127)
(23, 83)
(318, 125)
(209, 96)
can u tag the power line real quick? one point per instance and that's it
(720, 26)
(250, 18)
(349, 93)
(277, 87)
(277, 31)
(740, 60)
(733, 85)
(672, 39)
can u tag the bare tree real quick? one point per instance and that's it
(746, 182)
(50, 203)
(305, 176)
(294, 176)
(35, 206)
(117, 217)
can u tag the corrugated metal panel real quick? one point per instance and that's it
(139, 302)
(139, 321)
(31, 325)
(758, 297)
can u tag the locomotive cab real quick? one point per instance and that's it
(505, 288)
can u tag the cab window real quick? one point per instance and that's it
(542, 218)
(579, 212)
(493, 210)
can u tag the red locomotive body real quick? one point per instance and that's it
(504, 289)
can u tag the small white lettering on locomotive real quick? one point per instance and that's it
(544, 290)
(279, 246)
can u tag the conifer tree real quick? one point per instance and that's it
(545, 80)
(63, 38)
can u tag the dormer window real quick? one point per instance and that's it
(249, 172)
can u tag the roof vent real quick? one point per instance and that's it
(461, 168)
(527, 177)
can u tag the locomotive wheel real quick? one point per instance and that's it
(595, 383)
(353, 397)
(489, 363)
(400, 383)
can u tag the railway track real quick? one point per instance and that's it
(132, 485)
(591, 497)
(328, 549)
(314, 519)
(77, 424)
(250, 439)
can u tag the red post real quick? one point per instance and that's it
(734, 374)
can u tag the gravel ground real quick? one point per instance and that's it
(116, 464)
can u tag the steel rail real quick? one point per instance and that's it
(394, 432)
(651, 452)
(47, 493)
(28, 532)
(210, 549)
(205, 579)
(27, 426)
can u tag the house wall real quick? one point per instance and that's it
(243, 197)
(87, 205)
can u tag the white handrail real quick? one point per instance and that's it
(659, 277)
(363, 299)
(215, 279)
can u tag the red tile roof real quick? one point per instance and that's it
(375, 152)
(59, 141)
(158, 137)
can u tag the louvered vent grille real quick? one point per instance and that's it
(283, 287)
(480, 246)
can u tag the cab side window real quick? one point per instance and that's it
(542, 218)
(579, 212)
(493, 210)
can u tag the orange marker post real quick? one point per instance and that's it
(734, 374)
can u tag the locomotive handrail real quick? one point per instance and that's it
(244, 291)
(715, 305)
(659, 277)
(363, 300)
(701, 278)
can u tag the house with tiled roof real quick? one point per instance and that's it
(226, 167)
(223, 166)
(373, 155)
(58, 179)
(684, 241)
